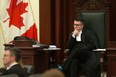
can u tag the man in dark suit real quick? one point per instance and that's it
(80, 44)
(10, 60)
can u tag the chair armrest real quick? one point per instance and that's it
(101, 50)
(66, 53)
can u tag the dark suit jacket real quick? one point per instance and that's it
(88, 40)
(81, 50)
(16, 69)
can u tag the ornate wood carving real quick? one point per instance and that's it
(79, 6)
(91, 4)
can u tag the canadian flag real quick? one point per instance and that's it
(17, 20)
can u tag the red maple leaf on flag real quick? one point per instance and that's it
(15, 11)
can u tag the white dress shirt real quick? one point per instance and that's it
(11, 65)
(78, 37)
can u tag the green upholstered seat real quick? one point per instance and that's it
(96, 22)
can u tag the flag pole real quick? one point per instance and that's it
(2, 32)
(33, 17)
(32, 11)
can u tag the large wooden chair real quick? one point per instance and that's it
(96, 16)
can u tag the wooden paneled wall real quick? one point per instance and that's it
(56, 18)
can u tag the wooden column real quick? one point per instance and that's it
(45, 21)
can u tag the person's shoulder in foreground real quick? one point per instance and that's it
(53, 73)
(11, 62)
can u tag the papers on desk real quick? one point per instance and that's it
(40, 45)
(35, 46)
(99, 50)
(52, 47)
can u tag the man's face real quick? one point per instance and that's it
(78, 25)
(8, 58)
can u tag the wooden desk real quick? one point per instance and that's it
(37, 56)
(32, 56)
(50, 57)
(111, 56)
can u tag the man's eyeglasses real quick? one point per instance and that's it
(77, 24)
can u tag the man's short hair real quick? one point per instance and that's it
(81, 20)
(14, 52)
